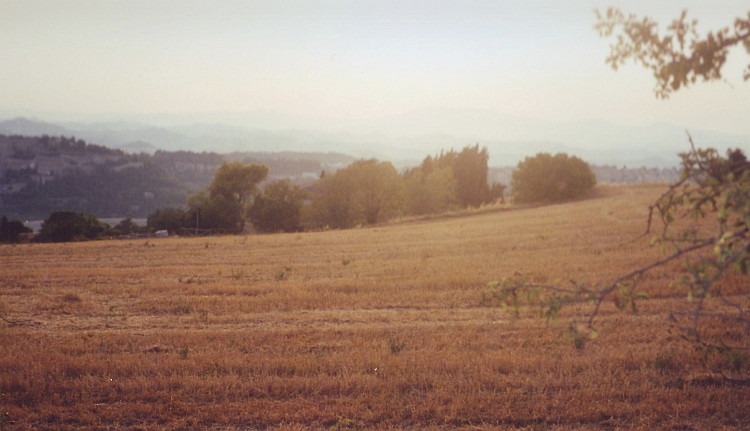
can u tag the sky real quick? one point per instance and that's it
(348, 60)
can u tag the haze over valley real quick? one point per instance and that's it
(402, 139)
(387, 79)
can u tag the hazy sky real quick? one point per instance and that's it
(348, 59)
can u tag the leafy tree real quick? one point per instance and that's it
(378, 190)
(229, 196)
(470, 169)
(237, 182)
(206, 212)
(169, 219)
(65, 226)
(450, 179)
(430, 191)
(126, 227)
(470, 172)
(547, 178)
(278, 208)
(332, 203)
(10, 231)
(365, 192)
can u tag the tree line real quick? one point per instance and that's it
(367, 192)
(364, 193)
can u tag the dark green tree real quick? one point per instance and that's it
(278, 208)
(548, 179)
(237, 182)
(126, 227)
(469, 169)
(65, 226)
(10, 231)
(365, 192)
(226, 203)
(206, 212)
(170, 219)
(332, 204)
(378, 190)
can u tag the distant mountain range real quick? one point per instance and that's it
(402, 139)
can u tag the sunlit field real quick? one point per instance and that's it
(370, 328)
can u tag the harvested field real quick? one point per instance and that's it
(371, 328)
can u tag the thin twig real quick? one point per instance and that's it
(14, 322)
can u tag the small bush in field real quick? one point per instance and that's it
(343, 424)
(283, 273)
(71, 297)
(182, 308)
(237, 274)
(396, 345)
(665, 361)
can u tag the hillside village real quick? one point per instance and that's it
(42, 159)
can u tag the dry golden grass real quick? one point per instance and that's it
(376, 328)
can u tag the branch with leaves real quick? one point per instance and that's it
(705, 222)
(678, 58)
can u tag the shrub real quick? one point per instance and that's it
(548, 179)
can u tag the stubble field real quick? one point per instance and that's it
(373, 328)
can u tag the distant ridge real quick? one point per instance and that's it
(26, 127)
(139, 147)
(404, 139)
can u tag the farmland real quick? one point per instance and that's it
(372, 328)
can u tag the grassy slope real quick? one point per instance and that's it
(382, 326)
